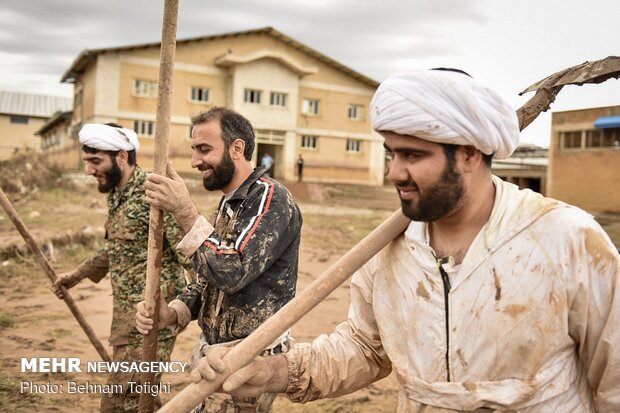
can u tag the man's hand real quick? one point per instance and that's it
(68, 280)
(171, 195)
(144, 322)
(262, 375)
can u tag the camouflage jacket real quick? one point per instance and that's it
(124, 256)
(247, 268)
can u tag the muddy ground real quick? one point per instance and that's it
(33, 322)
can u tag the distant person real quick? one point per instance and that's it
(267, 163)
(300, 168)
(109, 151)
(246, 256)
(493, 299)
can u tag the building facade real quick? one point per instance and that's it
(526, 167)
(584, 158)
(299, 101)
(21, 115)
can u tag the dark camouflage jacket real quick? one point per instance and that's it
(124, 256)
(247, 268)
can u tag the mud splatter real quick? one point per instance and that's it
(498, 286)
(422, 292)
(464, 363)
(597, 247)
(470, 386)
(514, 310)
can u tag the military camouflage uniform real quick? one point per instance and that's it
(247, 268)
(124, 256)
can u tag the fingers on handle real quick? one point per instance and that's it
(171, 172)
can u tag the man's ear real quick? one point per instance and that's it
(471, 158)
(122, 157)
(236, 149)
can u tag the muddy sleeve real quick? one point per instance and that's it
(347, 360)
(260, 234)
(594, 315)
(96, 267)
(173, 235)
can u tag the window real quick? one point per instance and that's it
(200, 94)
(355, 112)
(252, 96)
(23, 120)
(570, 140)
(354, 146)
(144, 127)
(603, 138)
(145, 88)
(309, 142)
(310, 107)
(278, 99)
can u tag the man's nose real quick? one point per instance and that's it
(90, 169)
(196, 160)
(397, 172)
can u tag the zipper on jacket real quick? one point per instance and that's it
(446, 291)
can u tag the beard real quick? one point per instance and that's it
(112, 177)
(222, 174)
(437, 200)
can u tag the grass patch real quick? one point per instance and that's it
(11, 398)
(338, 233)
(60, 333)
(6, 320)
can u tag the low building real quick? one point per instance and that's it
(300, 101)
(21, 115)
(526, 167)
(584, 158)
(58, 142)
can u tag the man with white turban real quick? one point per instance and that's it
(109, 152)
(493, 299)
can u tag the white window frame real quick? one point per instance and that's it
(144, 128)
(200, 94)
(309, 142)
(145, 88)
(355, 112)
(311, 107)
(354, 146)
(252, 96)
(278, 99)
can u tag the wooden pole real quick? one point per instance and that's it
(51, 274)
(156, 219)
(293, 311)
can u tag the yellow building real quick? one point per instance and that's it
(58, 142)
(584, 158)
(21, 115)
(299, 100)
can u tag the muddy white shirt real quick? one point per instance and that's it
(531, 321)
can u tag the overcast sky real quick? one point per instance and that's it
(507, 44)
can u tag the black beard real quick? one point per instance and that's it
(222, 174)
(436, 201)
(112, 177)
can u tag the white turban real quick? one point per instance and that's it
(446, 107)
(108, 138)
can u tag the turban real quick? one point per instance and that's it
(446, 107)
(108, 138)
